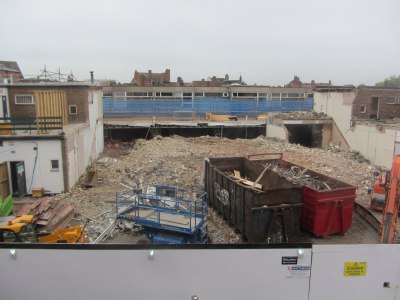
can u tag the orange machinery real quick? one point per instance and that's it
(392, 201)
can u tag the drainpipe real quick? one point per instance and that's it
(377, 109)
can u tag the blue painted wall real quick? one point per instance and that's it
(166, 108)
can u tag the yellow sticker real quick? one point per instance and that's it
(355, 268)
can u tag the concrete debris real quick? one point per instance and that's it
(179, 161)
(299, 115)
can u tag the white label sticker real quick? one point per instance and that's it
(298, 272)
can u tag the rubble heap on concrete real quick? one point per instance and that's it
(179, 162)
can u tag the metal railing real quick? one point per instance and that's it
(157, 205)
(40, 124)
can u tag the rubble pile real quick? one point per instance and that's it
(179, 162)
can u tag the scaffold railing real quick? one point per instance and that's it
(164, 207)
(169, 107)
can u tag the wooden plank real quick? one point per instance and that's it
(171, 218)
(261, 175)
(62, 213)
(236, 175)
(25, 210)
(42, 222)
(4, 183)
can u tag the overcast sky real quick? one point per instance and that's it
(267, 42)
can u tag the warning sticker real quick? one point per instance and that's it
(289, 260)
(298, 272)
(355, 268)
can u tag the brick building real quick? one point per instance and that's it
(9, 71)
(296, 83)
(51, 133)
(214, 81)
(210, 82)
(376, 103)
(152, 79)
(367, 118)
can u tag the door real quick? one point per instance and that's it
(4, 183)
(374, 108)
(21, 178)
(18, 180)
(4, 106)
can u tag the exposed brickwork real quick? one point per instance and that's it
(10, 70)
(375, 103)
(296, 83)
(213, 82)
(152, 79)
(78, 97)
(75, 96)
(15, 76)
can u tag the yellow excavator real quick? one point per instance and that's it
(21, 230)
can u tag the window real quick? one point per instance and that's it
(119, 95)
(73, 110)
(24, 99)
(294, 95)
(363, 109)
(137, 94)
(54, 165)
(213, 94)
(276, 96)
(262, 95)
(107, 94)
(393, 100)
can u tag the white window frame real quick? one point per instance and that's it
(363, 109)
(23, 95)
(396, 100)
(51, 165)
(76, 109)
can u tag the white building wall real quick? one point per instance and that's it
(275, 131)
(86, 143)
(323, 272)
(96, 122)
(374, 143)
(328, 280)
(234, 274)
(38, 172)
(336, 105)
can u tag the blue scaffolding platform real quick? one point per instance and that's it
(163, 210)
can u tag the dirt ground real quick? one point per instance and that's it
(179, 162)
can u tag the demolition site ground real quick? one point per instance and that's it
(179, 161)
